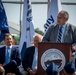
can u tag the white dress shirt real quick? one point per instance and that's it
(35, 58)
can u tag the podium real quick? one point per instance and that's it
(59, 53)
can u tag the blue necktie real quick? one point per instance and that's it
(59, 35)
(7, 55)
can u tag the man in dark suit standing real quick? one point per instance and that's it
(30, 57)
(10, 56)
(61, 32)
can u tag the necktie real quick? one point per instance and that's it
(59, 35)
(7, 55)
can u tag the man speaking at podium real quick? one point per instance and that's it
(61, 32)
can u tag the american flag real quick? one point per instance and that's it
(3, 22)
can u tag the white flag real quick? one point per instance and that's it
(27, 30)
(55, 7)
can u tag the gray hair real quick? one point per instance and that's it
(39, 35)
(66, 14)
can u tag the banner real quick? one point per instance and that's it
(54, 8)
(27, 31)
(3, 22)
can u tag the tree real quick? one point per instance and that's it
(37, 30)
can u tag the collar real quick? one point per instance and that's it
(63, 26)
(9, 46)
(36, 49)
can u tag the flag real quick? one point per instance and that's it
(27, 31)
(55, 7)
(3, 22)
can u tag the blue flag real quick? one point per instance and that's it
(3, 22)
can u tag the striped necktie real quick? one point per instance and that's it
(59, 35)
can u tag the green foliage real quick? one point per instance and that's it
(37, 30)
(16, 38)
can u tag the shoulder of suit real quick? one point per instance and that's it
(53, 25)
(2, 47)
(15, 48)
(31, 47)
(72, 26)
(51, 28)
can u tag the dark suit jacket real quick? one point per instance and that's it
(28, 58)
(15, 58)
(68, 37)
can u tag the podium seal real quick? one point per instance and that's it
(53, 55)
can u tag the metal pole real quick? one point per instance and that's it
(48, 7)
(17, 2)
(20, 16)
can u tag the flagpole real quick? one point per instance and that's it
(48, 7)
(20, 16)
(48, 4)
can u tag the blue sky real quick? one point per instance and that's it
(39, 13)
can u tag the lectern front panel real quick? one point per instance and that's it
(52, 52)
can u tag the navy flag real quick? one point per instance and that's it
(3, 22)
